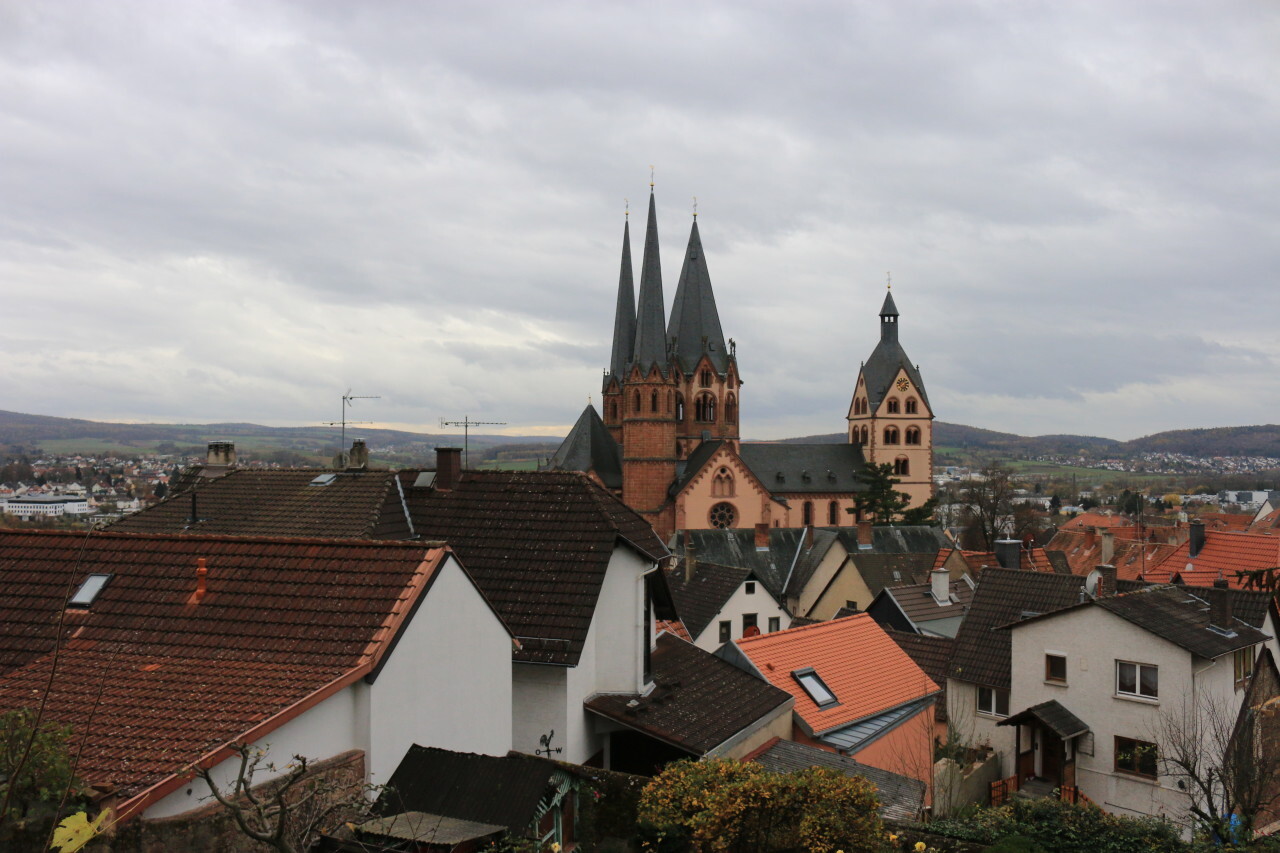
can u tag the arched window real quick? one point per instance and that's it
(653, 402)
(704, 379)
(866, 436)
(730, 410)
(833, 514)
(893, 406)
(911, 436)
(722, 516)
(901, 467)
(808, 514)
(722, 484)
(891, 435)
(613, 410)
(636, 400)
(680, 407)
(911, 406)
(705, 409)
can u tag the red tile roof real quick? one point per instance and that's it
(1225, 520)
(1034, 559)
(1096, 519)
(161, 681)
(866, 671)
(1224, 554)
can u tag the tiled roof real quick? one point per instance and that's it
(737, 548)
(699, 700)
(901, 797)
(898, 539)
(919, 605)
(866, 671)
(168, 680)
(1224, 554)
(806, 468)
(251, 502)
(699, 598)
(982, 651)
(884, 570)
(1032, 560)
(1096, 519)
(537, 544)
(1225, 520)
(1270, 521)
(1180, 616)
(931, 654)
(1053, 714)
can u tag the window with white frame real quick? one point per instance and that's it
(993, 702)
(815, 687)
(1137, 679)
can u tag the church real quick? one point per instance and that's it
(669, 442)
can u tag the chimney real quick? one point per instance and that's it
(1090, 537)
(1220, 610)
(1197, 538)
(1009, 553)
(865, 535)
(940, 578)
(1106, 582)
(690, 557)
(1108, 546)
(222, 454)
(762, 536)
(448, 467)
(359, 456)
(202, 572)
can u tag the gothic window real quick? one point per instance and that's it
(911, 406)
(730, 410)
(653, 402)
(670, 400)
(911, 436)
(613, 410)
(833, 514)
(723, 515)
(893, 406)
(901, 467)
(722, 484)
(891, 435)
(680, 407)
(860, 406)
(807, 515)
(705, 409)
(704, 379)
(636, 401)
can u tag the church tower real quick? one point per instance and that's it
(624, 340)
(890, 416)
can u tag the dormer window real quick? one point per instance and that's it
(88, 591)
(817, 689)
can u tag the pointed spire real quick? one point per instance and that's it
(651, 344)
(695, 322)
(889, 319)
(624, 320)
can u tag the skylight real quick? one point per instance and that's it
(814, 686)
(324, 479)
(89, 590)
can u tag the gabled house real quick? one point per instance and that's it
(856, 692)
(162, 651)
(1097, 687)
(936, 608)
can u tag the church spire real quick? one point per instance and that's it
(889, 319)
(651, 344)
(624, 321)
(695, 322)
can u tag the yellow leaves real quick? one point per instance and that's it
(920, 847)
(76, 831)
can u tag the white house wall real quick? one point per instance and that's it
(740, 603)
(538, 702)
(971, 727)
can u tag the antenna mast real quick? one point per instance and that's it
(466, 423)
(346, 401)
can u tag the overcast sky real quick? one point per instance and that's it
(237, 211)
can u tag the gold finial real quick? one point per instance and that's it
(650, 176)
(888, 281)
(589, 401)
(695, 207)
(627, 207)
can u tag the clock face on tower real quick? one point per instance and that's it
(903, 383)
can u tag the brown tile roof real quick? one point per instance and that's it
(1096, 519)
(1225, 520)
(699, 700)
(169, 680)
(866, 671)
(982, 651)
(919, 605)
(1034, 559)
(1224, 554)
(931, 654)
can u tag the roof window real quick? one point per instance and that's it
(89, 590)
(815, 687)
(324, 479)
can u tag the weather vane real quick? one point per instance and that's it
(888, 281)
(695, 207)
(650, 176)
(626, 206)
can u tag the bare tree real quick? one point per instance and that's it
(987, 514)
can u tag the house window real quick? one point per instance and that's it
(1137, 679)
(911, 406)
(726, 631)
(723, 515)
(749, 621)
(892, 408)
(89, 590)
(912, 435)
(1055, 669)
(751, 587)
(814, 686)
(993, 702)
(775, 623)
(891, 435)
(1243, 661)
(1135, 756)
(850, 605)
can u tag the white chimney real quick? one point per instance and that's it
(940, 578)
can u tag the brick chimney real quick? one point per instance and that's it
(762, 536)
(1106, 582)
(202, 573)
(448, 467)
(866, 538)
(1108, 546)
(222, 454)
(359, 456)
(1220, 609)
(690, 557)
(1090, 537)
(1009, 553)
(1197, 539)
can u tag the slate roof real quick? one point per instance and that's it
(1180, 616)
(537, 544)
(503, 791)
(1053, 714)
(898, 539)
(901, 797)
(695, 322)
(699, 598)
(866, 671)
(737, 548)
(806, 468)
(886, 359)
(624, 320)
(1224, 554)
(254, 502)
(931, 654)
(168, 680)
(983, 651)
(884, 570)
(651, 315)
(699, 700)
(589, 447)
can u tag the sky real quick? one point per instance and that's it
(236, 212)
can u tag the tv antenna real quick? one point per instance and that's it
(346, 401)
(466, 423)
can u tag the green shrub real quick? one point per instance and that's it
(1064, 828)
(1016, 844)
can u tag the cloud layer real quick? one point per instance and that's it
(236, 211)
